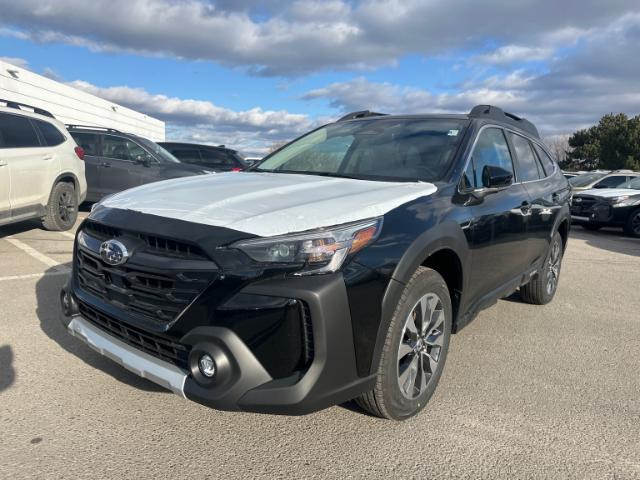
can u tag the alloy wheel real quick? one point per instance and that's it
(635, 224)
(420, 345)
(553, 268)
(66, 207)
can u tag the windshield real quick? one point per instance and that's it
(585, 179)
(158, 151)
(380, 149)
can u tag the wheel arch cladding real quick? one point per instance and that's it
(563, 230)
(434, 248)
(67, 177)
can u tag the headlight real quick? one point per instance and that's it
(320, 251)
(624, 201)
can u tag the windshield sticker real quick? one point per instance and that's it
(453, 133)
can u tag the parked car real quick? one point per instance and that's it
(591, 180)
(609, 207)
(116, 161)
(336, 269)
(217, 159)
(41, 169)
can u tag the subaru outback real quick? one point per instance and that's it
(335, 269)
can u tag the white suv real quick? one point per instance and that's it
(41, 168)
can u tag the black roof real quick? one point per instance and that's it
(202, 145)
(488, 112)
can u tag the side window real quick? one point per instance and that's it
(17, 131)
(547, 162)
(528, 168)
(216, 157)
(90, 142)
(491, 149)
(614, 181)
(189, 155)
(51, 134)
(120, 148)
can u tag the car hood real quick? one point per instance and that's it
(267, 204)
(609, 192)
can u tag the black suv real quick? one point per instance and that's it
(337, 268)
(217, 159)
(116, 161)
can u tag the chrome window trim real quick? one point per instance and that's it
(505, 129)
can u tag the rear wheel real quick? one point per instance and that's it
(633, 224)
(542, 287)
(415, 349)
(62, 209)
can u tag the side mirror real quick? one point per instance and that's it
(496, 178)
(143, 160)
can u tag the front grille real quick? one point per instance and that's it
(142, 288)
(155, 244)
(156, 345)
(586, 203)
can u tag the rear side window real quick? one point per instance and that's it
(547, 162)
(188, 155)
(215, 157)
(17, 131)
(90, 142)
(491, 150)
(51, 134)
(528, 167)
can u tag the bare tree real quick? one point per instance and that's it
(276, 145)
(559, 146)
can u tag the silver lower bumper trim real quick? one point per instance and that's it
(140, 363)
(580, 219)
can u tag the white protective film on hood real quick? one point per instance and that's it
(268, 204)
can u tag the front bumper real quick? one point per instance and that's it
(241, 381)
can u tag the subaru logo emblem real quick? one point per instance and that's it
(578, 200)
(113, 252)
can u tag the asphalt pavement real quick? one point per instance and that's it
(527, 392)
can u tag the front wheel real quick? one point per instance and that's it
(415, 349)
(633, 224)
(542, 287)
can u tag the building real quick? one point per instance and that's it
(73, 106)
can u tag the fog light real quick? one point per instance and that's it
(207, 366)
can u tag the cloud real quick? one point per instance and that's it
(15, 61)
(300, 37)
(250, 130)
(516, 53)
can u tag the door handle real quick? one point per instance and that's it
(3, 163)
(47, 157)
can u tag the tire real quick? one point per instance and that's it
(632, 226)
(405, 353)
(542, 287)
(591, 226)
(62, 209)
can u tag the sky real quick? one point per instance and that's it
(250, 74)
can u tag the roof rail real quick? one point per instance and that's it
(360, 114)
(20, 106)
(93, 127)
(495, 113)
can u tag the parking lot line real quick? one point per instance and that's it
(72, 236)
(62, 271)
(50, 262)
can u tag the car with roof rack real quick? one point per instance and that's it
(116, 161)
(337, 268)
(215, 158)
(42, 173)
